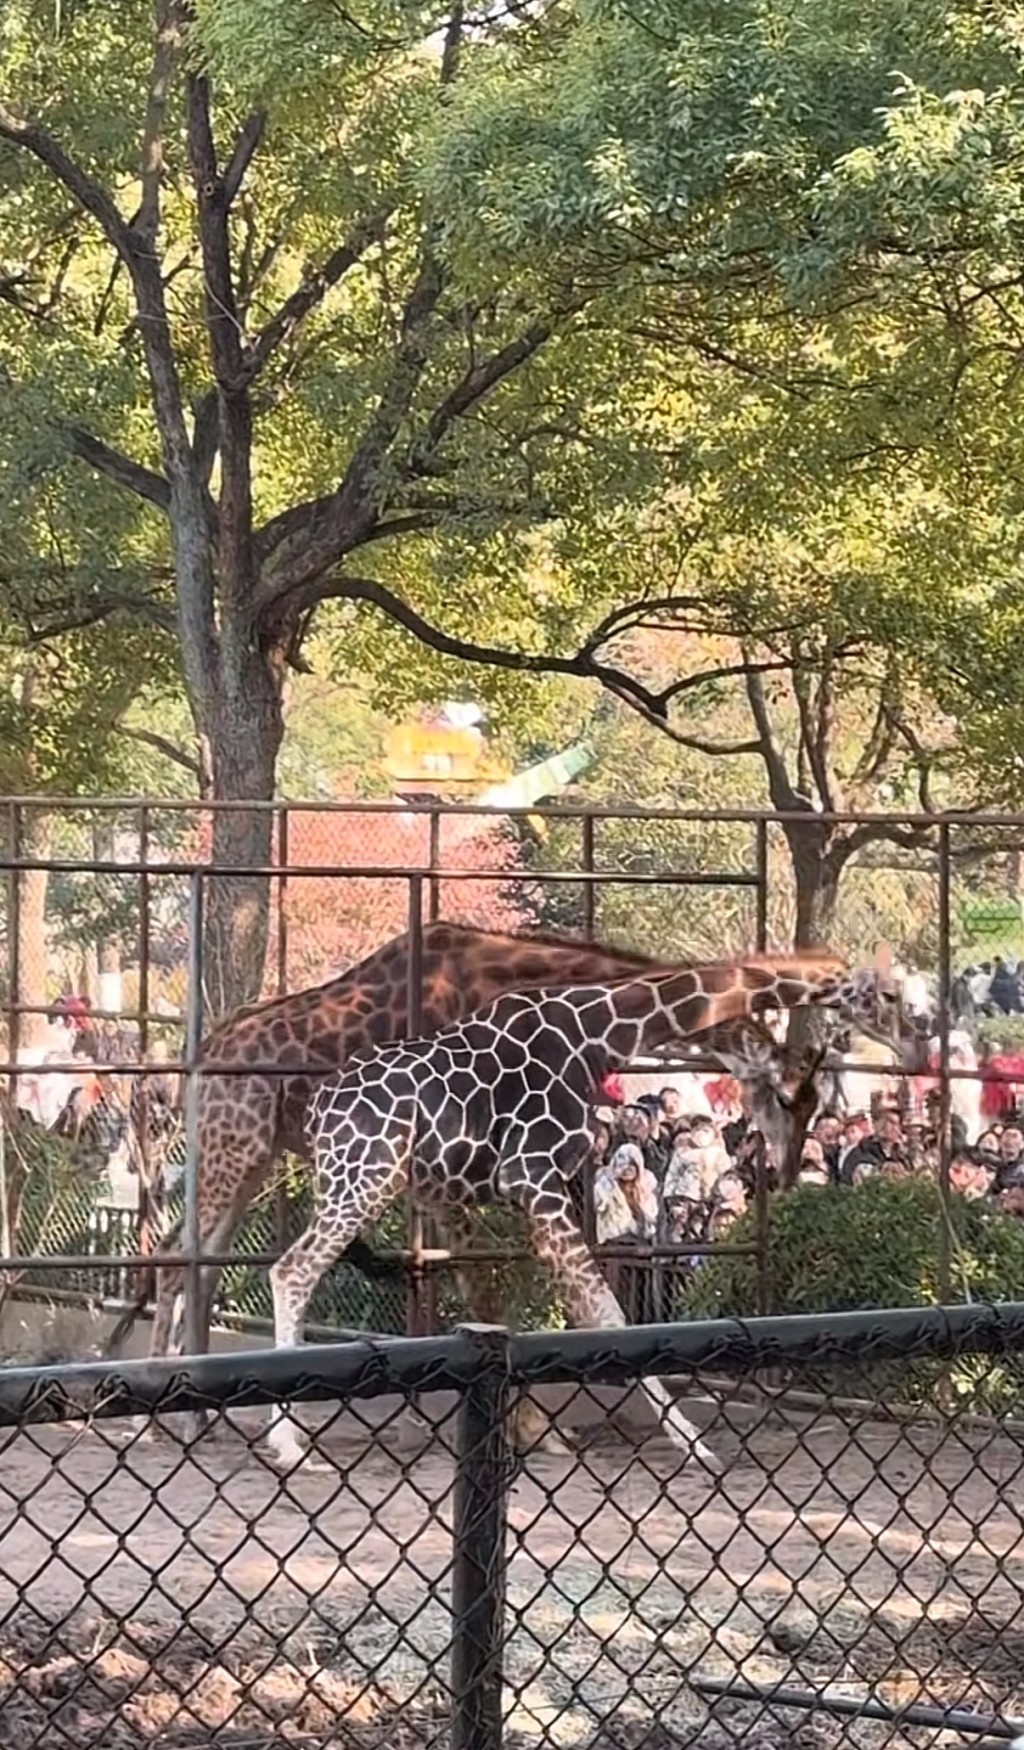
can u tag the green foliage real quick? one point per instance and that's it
(873, 1245)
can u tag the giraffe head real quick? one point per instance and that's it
(783, 1085)
(782, 1088)
(867, 998)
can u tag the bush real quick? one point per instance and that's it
(875, 1245)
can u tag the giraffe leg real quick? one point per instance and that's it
(217, 1227)
(540, 1191)
(367, 1176)
(529, 1429)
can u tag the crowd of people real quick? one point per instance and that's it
(665, 1177)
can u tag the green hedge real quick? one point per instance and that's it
(876, 1245)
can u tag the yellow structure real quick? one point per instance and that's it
(434, 757)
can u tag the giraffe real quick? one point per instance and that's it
(272, 1055)
(496, 1107)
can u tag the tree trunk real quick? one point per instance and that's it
(241, 731)
(816, 882)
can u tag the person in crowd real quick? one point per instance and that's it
(1004, 991)
(814, 1168)
(627, 1211)
(1010, 1172)
(970, 1174)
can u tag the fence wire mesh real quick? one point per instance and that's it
(420, 1580)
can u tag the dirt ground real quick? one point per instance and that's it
(150, 1596)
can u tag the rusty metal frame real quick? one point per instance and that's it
(424, 883)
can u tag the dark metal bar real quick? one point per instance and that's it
(549, 810)
(431, 1257)
(761, 870)
(762, 1240)
(589, 891)
(149, 1200)
(434, 858)
(282, 903)
(944, 1259)
(281, 1206)
(379, 1366)
(195, 1336)
(213, 1066)
(416, 1235)
(952, 1719)
(14, 939)
(382, 872)
(479, 1562)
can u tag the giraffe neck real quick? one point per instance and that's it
(649, 1013)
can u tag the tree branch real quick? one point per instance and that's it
(921, 758)
(474, 386)
(149, 738)
(142, 481)
(810, 737)
(314, 289)
(242, 156)
(728, 671)
(104, 608)
(224, 331)
(165, 54)
(582, 664)
(195, 579)
(331, 526)
(780, 788)
(89, 194)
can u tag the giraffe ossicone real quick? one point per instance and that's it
(496, 1107)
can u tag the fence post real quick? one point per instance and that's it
(196, 1338)
(483, 1464)
(944, 1271)
(13, 943)
(434, 859)
(589, 893)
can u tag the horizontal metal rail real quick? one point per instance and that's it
(401, 1257)
(212, 1066)
(378, 1366)
(952, 1719)
(384, 872)
(539, 811)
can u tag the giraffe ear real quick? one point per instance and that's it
(883, 959)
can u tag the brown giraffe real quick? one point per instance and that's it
(496, 1107)
(247, 1121)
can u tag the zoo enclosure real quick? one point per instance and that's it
(852, 1564)
(152, 884)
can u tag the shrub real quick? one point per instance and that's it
(875, 1245)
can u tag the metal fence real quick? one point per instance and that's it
(849, 1576)
(125, 881)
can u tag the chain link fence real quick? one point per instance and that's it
(847, 1576)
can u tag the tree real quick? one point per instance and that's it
(257, 340)
(523, 278)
